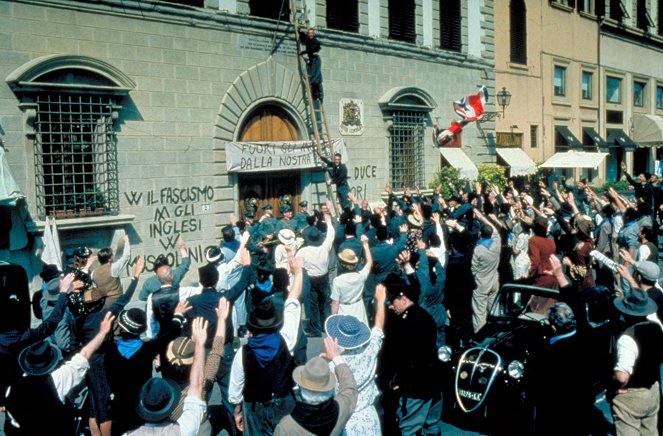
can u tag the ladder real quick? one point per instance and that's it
(316, 109)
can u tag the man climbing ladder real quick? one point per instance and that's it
(313, 66)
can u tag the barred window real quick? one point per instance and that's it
(76, 155)
(407, 149)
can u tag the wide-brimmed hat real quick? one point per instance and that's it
(348, 331)
(158, 398)
(635, 303)
(315, 376)
(348, 257)
(39, 358)
(132, 321)
(415, 220)
(584, 224)
(265, 319)
(213, 254)
(180, 351)
(649, 271)
(49, 273)
(52, 290)
(287, 237)
(313, 237)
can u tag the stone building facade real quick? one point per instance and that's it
(116, 115)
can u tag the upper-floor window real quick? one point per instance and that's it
(343, 15)
(518, 30)
(586, 85)
(276, 10)
(198, 3)
(659, 97)
(642, 19)
(660, 17)
(584, 6)
(639, 94)
(613, 91)
(559, 81)
(533, 136)
(617, 10)
(450, 25)
(402, 20)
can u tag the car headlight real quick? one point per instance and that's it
(516, 369)
(444, 353)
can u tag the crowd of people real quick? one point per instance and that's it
(386, 287)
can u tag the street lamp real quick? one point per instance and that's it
(503, 99)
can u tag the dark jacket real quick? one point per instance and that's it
(14, 341)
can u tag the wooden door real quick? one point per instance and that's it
(269, 123)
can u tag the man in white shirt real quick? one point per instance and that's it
(316, 282)
(43, 388)
(260, 378)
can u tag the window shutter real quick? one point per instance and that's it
(402, 20)
(450, 25)
(343, 15)
(518, 35)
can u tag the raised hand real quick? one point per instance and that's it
(139, 266)
(199, 330)
(182, 308)
(222, 310)
(331, 349)
(107, 323)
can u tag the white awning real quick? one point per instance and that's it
(520, 164)
(648, 130)
(458, 159)
(575, 159)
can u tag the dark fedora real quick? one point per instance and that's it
(49, 273)
(208, 276)
(158, 398)
(636, 303)
(265, 319)
(132, 321)
(313, 237)
(39, 358)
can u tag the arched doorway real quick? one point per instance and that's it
(269, 122)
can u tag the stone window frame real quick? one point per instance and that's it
(66, 75)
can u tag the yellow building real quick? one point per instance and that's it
(585, 77)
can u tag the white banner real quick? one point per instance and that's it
(252, 157)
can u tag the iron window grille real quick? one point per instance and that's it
(406, 166)
(76, 155)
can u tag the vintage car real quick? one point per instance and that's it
(488, 383)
